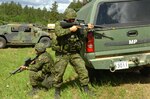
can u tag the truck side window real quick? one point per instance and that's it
(27, 29)
(103, 16)
(14, 29)
(125, 13)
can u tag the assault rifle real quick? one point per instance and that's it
(67, 24)
(27, 62)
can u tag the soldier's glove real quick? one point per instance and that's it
(23, 68)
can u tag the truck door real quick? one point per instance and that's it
(26, 34)
(12, 35)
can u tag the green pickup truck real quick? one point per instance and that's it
(122, 41)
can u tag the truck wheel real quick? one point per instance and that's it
(145, 71)
(46, 41)
(2, 42)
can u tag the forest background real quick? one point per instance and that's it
(12, 12)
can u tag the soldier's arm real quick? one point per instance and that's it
(38, 65)
(23, 67)
(89, 28)
(60, 31)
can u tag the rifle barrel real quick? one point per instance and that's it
(15, 71)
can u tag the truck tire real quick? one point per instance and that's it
(2, 42)
(145, 71)
(46, 41)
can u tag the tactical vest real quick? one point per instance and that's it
(69, 43)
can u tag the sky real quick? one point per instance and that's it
(62, 4)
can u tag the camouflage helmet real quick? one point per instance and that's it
(40, 47)
(70, 13)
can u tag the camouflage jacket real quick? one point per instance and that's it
(66, 41)
(43, 63)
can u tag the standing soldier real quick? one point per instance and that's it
(41, 70)
(67, 47)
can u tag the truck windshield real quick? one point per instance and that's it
(129, 12)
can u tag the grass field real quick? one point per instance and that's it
(110, 86)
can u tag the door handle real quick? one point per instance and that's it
(132, 33)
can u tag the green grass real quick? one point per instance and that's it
(109, 87)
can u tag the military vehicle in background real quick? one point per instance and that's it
(51, 26)
(51, 30)
(122, 41)
(22, 34)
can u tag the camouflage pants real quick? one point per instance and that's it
(40, 79)
(78, 64)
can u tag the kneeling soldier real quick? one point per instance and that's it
(41, 70)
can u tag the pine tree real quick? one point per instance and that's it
(54, 14)
(14, 12)
(75, 5)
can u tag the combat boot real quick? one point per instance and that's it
(34, 91)
(86, 88)
(57, 93)
(87, 91)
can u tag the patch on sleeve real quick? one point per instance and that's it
(43, 58)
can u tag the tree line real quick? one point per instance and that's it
(14, 12)
(11, 12)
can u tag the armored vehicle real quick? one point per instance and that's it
(22, 34)
(122, 41)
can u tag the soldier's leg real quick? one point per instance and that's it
(35, 81)
(79, 66)
(35, 78)
(48, 81)
(60, 67)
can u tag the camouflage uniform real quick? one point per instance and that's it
(67, 46)
(41, 72)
